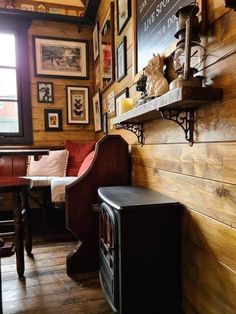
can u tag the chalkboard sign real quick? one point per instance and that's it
(156, 26)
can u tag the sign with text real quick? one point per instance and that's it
(156, 26)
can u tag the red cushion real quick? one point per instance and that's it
(86, 163)
(77, 154)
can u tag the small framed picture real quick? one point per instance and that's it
(111, 103)
(27, 7)
(123, 94)
(53, 119)
(97, 112)
(121, 60)
(123, 13)
(57, 11)
(95, 42)
(77, 105)
(104, 123)
(45, 92)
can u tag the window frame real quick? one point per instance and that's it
(19, 28)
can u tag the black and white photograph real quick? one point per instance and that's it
(45, 92)
(77, 105)
(121, 60)
(123, 14)
(95, 42)
(60, 57)
(111, 103)
(104, 123)
(97, 112)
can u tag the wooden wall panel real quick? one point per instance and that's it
(213, 161)
(202, 300)
(216, 199)
(201, 177)
(80, 133)
(203, 268)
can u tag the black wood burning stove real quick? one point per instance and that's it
(139, 250)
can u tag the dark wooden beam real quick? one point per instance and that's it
(230, 4)
(28, 15)
(91, 8)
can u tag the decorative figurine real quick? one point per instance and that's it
(157, 84)
(141, 87)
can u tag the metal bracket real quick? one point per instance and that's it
(136, 128)
(185, 119)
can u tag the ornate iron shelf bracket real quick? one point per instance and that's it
(136, 128)
(185, 119)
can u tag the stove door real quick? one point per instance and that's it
(109, 274)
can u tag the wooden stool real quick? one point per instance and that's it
(19, 187)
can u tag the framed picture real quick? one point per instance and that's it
(123, 94)
(106, 61)
(111, 103)
(27, 7)
(60, 57)
(57, 11)
(77, 105)
(97, 75)
(121, 60)
(123, 13)
(104, 123)
(53, 119)
(95, 43)
(97, 112)
(45, 92)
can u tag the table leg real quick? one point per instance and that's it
(20, 265)
(26, 221)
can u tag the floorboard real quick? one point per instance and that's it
(46, 288)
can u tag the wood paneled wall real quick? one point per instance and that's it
(76, 132)
(202, 177)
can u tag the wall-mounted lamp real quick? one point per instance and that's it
(188, 53)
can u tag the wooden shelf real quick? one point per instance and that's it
(177, 105)
(179, 99)
(31, 15)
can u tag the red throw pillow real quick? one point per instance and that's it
(86, 163)
(77, 154)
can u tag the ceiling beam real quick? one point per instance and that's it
(91, 8)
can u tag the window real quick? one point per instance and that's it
(15, 104)
(9, 120)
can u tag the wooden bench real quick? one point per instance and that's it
(110, 167)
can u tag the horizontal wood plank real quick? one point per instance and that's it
(212, 198)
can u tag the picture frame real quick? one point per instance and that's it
(53, 120)
(45, 92)
(95, 42)
(97, 76)
(111, 103)
(121, 59)
(104, 123)
(123, 14)
(27, 7)
(123, 94)
(60, 57)
(77, 104)
(97, 110)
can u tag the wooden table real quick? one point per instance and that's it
(17, 186)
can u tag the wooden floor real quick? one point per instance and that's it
(46, 288)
